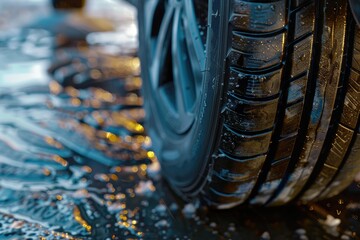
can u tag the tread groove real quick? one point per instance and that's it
(338, 108)
(257, 72)
(264, 35)
(280, 115)
(276, 75)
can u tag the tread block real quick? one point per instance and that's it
(346, 174)
(277, 170)
(296, 3)
(254, 85)
(355, 62)
(305, 20)
(322, 179)
(333, 161)
(273, 179)
(250, 116)
(301, 56)
(232, 169)
(297, 90)
(357, 40)
(285, 147)
(239, 187)
(256, 52)
(219, 198)
(351, 108)
(339, 146)
(258, 17)
(241, 145)
(292, 119)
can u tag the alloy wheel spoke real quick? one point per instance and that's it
(194, 42)
(150, 6)
(162, 45)
(182, 75)
(177, 62)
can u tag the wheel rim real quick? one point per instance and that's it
(176, 59)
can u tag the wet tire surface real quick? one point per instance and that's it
(284, 104)
(309, 107)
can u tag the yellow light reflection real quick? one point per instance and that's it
(60, 160)
(73, 92)
(112, 137)
(150, 154)
(55, 87)
(75, 102)
(79, 219)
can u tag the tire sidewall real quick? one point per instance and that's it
(185, 159)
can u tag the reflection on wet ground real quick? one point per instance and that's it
(75, 162)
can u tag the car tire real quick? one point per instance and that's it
(252, 102)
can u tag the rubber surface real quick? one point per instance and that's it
(68, 4)
(287, 127)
